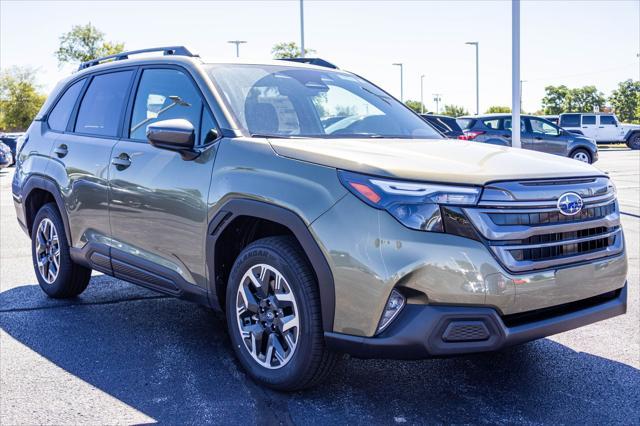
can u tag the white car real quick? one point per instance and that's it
(602, 128)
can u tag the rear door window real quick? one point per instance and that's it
(102, 104)
(570, 120)
(588, 120)
(59, 116)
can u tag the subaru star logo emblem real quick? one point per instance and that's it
(570, 204)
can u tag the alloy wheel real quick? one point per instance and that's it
(267, 315)
(581, 156)
(47, 251)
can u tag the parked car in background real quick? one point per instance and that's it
(602, 127)
(11, 140)
(448, 126)
(555, 119)
(6, 157)
(537, 134)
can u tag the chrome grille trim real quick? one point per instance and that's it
(533, 199)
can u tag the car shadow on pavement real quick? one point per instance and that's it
(173, 362)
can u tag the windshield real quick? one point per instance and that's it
(281, 101)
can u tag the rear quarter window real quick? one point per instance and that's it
(493, 123)
(59, 116)
(465, 123)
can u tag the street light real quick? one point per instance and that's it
(437, 98)
(515, 74)
(237, 43)
(301, 29)
(422, 94)
(401, 81)
(476, 44)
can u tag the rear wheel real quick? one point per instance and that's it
(57, 275)
(634, 141)
(273, 315)
(581, 155)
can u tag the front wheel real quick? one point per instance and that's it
(581, 155)
(634, 141)
(273, 316)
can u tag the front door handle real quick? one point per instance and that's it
(121, 162)
(538, 138)
(61, 150)
(506, 136)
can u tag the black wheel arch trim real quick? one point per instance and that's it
(237, 207)
(45, 184)
(631, 133)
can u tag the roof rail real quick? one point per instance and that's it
(312, 61)
(169, 50)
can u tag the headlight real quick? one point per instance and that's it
(415, 205)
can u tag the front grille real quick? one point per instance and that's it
(526, 231)
(551, 217)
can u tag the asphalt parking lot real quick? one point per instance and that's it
(120, 354)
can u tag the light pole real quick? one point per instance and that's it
(301, 29)
(237, 43)
(401, 80)
(477, 45)
(437, 99)
(422, 94)
(521, 81)
(515, 74)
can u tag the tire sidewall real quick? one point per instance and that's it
(64, 274)
(634, 141)
(299, 363)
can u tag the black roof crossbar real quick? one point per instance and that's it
(169, 50)
(312, 61)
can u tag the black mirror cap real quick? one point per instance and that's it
(177, 134)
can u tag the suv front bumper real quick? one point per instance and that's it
(423, 331)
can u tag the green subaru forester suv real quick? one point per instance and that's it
(314, 209)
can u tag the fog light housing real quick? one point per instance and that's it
(394, 305)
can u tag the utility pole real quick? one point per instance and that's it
(476, 44)
(237, 43)
(401, 80)
(437, 98)
(422, 94)
(302, 28)
(515, 74)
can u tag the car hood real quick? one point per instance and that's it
(449, 161)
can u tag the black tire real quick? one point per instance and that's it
(583, 152)
(311, 361)
(71, 278)
(634, 141)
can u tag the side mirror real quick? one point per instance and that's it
(175, 135)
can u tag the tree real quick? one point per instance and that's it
(498, 109)
(585, 99)
(625, 101)
(554, 99)
(559, 99)
(84, 43)
(454, 111)
(416, 106)
(288, 50)
(20, 99)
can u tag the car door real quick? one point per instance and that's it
(545, 137)
(82, 152)
(608, 130)
(158, 203)
(588, 126)
(506, 133)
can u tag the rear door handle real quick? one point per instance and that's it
(61, 150)
(506, 136)
(538, 138)
(122, 161)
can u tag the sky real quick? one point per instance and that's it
(573, 43)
